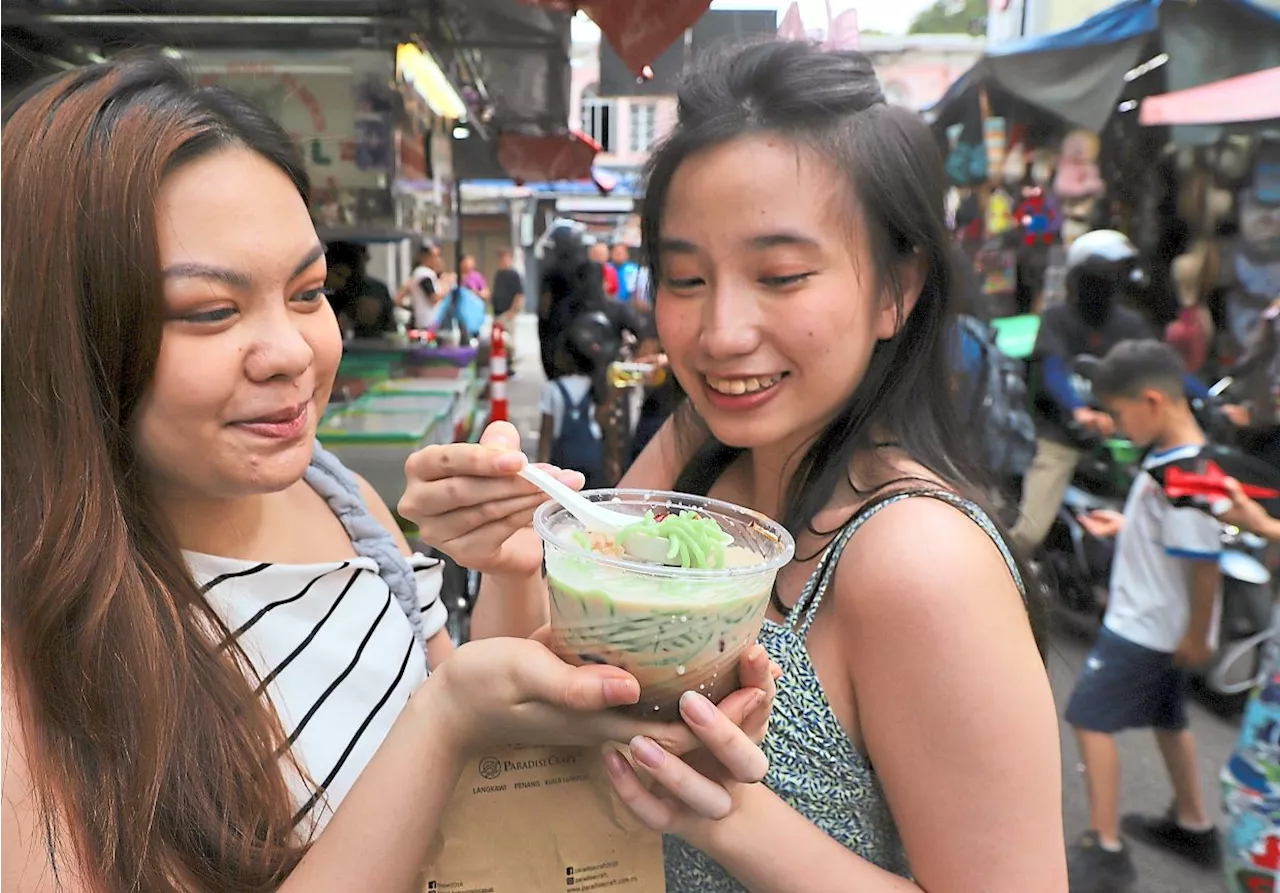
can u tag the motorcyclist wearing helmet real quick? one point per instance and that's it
(1100, 267)
(573, 284)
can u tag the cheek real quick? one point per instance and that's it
(325, 339)
(183, 402)
(678, 323)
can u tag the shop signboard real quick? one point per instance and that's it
(338, 108)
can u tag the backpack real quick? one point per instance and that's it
(577, 448)
(1000, 406)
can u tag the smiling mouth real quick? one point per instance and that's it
(736, 387)
(277, 418)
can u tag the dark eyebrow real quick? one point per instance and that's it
(785, 238)
(235, 278)
(760, 243)
(677, 246)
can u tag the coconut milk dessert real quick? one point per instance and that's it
(674, 599)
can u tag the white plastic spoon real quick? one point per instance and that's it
(596, 518)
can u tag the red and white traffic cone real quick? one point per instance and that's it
(498, 409)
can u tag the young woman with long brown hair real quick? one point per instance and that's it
(212, 645)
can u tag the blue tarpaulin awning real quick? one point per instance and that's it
(1078, 74)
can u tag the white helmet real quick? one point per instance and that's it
(1105, 246)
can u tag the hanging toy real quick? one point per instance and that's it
(1037, 216)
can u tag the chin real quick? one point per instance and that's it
(275, 472)
(740, 432)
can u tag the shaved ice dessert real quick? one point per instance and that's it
(674, 599)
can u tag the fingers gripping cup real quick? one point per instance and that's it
(675, 601)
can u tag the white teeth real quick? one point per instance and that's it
(740, 386)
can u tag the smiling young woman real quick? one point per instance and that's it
(213, 640)
(794, 224)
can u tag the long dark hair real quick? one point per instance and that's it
(147, 743)
(831, 102)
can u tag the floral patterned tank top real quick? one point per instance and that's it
(813, 764)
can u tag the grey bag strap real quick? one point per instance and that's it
(328, 477)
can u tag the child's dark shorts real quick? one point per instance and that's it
(1126, 686)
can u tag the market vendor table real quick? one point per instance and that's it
(374, 434)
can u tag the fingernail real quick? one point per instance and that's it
(775, 671)
(614, 764)
(647, 753)
(570, 477)
(696, 708)
(619, 692)
(511, 461)
(756, 654)
(756, 700)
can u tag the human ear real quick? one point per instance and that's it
(910, 275)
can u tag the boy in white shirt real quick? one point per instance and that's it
(1160, 619)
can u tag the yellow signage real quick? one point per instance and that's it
(421, 72)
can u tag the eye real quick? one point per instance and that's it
(684, 284)
(216, 315)
(313, 295)
(784, 281)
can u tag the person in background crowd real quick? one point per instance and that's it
(599, 253)
(507, 300)
(1260, 370)
(472, 278)
(189, 703)
(626, 270)
(1251, 777)
(462, 305)
(573, 284)
(1092, 320)
(1159, 621)
(571, 437)
(662, 395)
(795, 224)
(363, 304)
(422, 290)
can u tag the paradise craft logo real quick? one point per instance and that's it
(490, 768)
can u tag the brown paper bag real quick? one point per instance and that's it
(541, 820)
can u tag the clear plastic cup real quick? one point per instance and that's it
(675, 629)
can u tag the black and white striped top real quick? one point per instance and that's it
(336, 655)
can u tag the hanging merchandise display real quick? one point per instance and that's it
(1078, 184)
(999, 213)
(994, 138)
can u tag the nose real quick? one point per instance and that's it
(279, 349)
(730, 322)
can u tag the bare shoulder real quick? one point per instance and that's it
(24, 863)
(930, 620)
(926, 561)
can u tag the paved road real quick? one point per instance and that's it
(1143, 779)
(1144, 785)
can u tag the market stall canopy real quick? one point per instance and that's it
(1248, 98)
(1079, 74)
(508, 60)
(638, 30)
